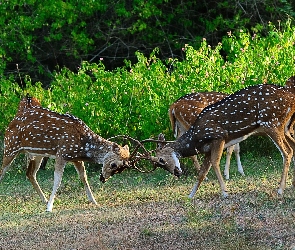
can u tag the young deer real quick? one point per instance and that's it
(43, 133)
(183, 113)
(267, 109)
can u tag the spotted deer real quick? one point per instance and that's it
(267, 109)
(183, 113)
(44, 133)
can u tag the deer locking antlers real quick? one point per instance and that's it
(137, 156)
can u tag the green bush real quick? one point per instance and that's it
(43, 35)
(134, 99)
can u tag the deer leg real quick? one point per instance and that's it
(238, 159)
(287, 153)
(7, 160)
(202, 174)
(229, 152)
(58, 172)
(216, 154)
(32, 170)
(196, 163)
(235, 148)
(79, 165)
(292, 144)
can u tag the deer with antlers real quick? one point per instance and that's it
(44, 133)
(137, 156)
(267, 109)
(184, 111)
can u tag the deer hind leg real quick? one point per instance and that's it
(79, 165)
(201, 175)
(287, 153)
(58, 172)
(7, 160)
(238, 158)
(235, 148)
(229, 152)
(32, 170)
(196, 162)
(216, 154)
(292, 144)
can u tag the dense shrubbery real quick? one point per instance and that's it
(37, 37)
(134, 99)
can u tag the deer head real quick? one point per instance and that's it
(26, 103)
(112, 165)
(166, 157)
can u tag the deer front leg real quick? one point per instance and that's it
(201, 175)
(216, 154)
(58, 172)
(32, 170)
(291, 141)
(79, 165)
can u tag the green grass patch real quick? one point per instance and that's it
(151, 210)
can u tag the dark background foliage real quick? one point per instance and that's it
(38, 37)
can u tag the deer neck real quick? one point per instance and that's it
(186, 146)
(95, 148)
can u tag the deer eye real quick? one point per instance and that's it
(113, 165)
(161, 160)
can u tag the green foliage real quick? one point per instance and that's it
(134, 99)
(9, 98)
(41, 36)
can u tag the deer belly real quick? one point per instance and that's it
(238, 139)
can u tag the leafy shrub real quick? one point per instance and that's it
(42, 35)
(134, 99)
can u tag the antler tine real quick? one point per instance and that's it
(153, 140)
(135, 156)
(133, 164)
(139, 144)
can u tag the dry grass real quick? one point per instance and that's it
(152, 211)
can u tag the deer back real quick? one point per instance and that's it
(184, 111)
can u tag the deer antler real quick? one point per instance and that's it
(136, 156)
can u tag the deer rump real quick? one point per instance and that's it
(233, 119)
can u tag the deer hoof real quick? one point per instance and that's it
(280, 191)
(224, 194)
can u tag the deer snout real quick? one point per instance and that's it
(177, 172)
(102, 179)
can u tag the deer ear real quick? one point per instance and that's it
(161, 137)
(126, 147)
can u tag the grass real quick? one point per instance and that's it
(151, 211)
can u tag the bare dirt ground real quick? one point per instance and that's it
(241, 222)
